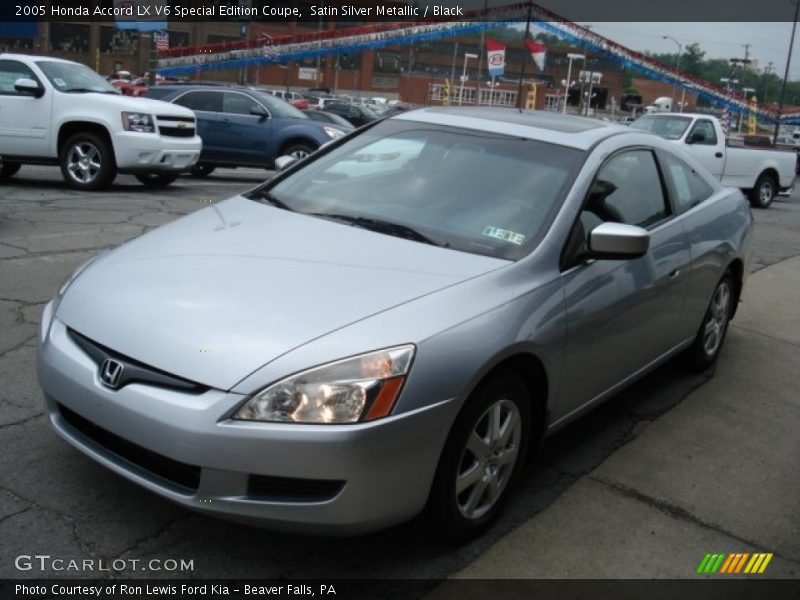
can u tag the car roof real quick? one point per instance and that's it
(9, 56)
(546, 126)
(205, 88)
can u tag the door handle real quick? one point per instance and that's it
(673, 274)
(718, 155)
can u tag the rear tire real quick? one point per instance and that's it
(202, 170)
(87, 162)
(8, 169)
(762, 195)
(482, 458)
(156, 180)
(705, 349)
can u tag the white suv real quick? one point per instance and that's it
(59, 112)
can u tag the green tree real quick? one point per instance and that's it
(692, 59)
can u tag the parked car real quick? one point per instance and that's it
(128, 88)
(759, 172)
(357, 115)
(391, 323)
(328, 117)
(241, 127)
(58, 112)
(293, 98)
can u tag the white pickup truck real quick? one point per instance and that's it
(62, 113)
(759, 172)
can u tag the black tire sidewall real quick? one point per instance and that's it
(442, 507)
(202, 170)
(156, 180)
(108, 166)
(8, 169)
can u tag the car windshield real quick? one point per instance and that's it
(466, 190)
(671, 128)
(75, 78)
(367, 111)
(278, 107)
(331, 118)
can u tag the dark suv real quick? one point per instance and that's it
(245, 128)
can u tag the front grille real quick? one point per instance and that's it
(171, 118)
(135, 371)
(184, 477)
(176, 131)
(287, 489)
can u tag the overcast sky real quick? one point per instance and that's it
(769, 41)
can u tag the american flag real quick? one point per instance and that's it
(161, 38)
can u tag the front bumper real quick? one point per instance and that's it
(382, 470)
(142, 152)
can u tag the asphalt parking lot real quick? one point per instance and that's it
(54, 501)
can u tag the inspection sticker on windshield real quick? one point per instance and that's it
(59, 82)
(504, 234)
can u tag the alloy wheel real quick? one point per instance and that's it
(766, 192)
(488, 459)
(84, 162)
(717, 320)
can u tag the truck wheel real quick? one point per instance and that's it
(156, 180)
(202, 170)
(8, 169)
(765, 191)
(87, 162)
(298, 151)
(482, 458)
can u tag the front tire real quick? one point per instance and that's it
(156, 180)
(87, 162)
(8, 169)
(703, 353)
(762, 195)
(298, 151)
(202, 170)
(482, 458)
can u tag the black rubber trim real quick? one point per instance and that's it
(183, 476)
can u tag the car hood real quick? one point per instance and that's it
(139, 104)
(218, 294)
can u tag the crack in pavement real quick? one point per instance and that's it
(680, 513)
(21, 344)
(766, 335)
(22, 421)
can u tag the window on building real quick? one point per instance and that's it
(68, 37)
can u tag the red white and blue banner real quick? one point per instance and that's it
(538, 52)
(495, 57)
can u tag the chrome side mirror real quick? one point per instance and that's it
(284, 162)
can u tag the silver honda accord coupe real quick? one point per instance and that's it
(389, 325)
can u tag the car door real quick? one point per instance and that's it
(244, 134)
(622, 314)
(25, 121)
(708, 151)
(207, 106)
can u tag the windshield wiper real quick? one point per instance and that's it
(380, 226)
(270, 199)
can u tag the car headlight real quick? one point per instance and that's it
(361, 388)
(139, 122)
(334, 133)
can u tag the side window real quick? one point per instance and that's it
(238, 104)
(628, 189)
(10, 71)
(688, 187)
(705, 127)
(207, 101)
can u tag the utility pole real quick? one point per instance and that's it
(520, 103)
(767, 73)
(786, 73)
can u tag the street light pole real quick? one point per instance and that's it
(786, 72)
(467, 55)
(677, 68)
(568, 83)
